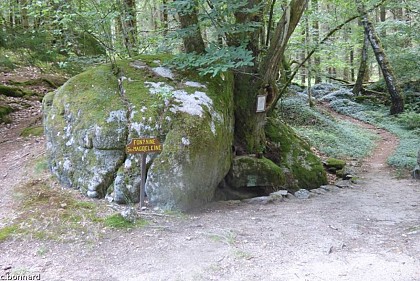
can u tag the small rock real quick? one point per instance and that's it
(92, 194)
(109, 198)
(319, 191)
(302, 194)
(328, 187)
(260, 200)
(343, 184)
(282, 192)
(129, 214)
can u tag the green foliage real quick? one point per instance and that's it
(215, 60)
(410, 120)
(5, 61)
(218, 18)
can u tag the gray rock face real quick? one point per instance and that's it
(339, 94)
(89, 121)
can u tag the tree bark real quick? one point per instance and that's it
(164, 17)
(129, 25)
(317, 58)
(270, 67)
(251, 136)
(397, 101)
(358, 86)
(193, 41)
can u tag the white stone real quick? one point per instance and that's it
(117, 116)
(164, 72)
(185, 141)
(195, 84)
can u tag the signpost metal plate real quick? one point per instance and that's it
(143, 146)
(147, 145)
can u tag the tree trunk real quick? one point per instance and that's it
(317, 57)
(251, 135)
(164, 17)
(270, 67)
(129, 25)
(249, 125)
(363, 68)
(193, 41)
(24, 13)
(397, 101)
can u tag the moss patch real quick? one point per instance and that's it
(335, 163)
(14, 91)
(34, 131)
(7, 231)
(118, 221)
(259, 173)
(5, 110)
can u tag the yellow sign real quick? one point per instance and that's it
(148, 145)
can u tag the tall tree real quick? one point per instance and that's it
(397, 101)
(363, 67)
(262, 76)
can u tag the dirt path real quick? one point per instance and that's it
(368, 232)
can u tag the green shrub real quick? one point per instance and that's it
(410, 120)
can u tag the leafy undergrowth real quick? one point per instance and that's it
(406, 127)
(335, 138)
(48, 212)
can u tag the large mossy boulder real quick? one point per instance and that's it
(90, 119)
(302, 168)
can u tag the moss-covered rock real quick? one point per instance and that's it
(5, 110)
(92, 117)
(302, 169)
(335, 163)
(11, 91)
(255, 173)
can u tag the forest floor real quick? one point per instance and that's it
(368, 231)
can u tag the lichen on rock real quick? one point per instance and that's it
(89, 121)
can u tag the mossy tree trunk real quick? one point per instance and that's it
(261, 79)
(397, 101)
